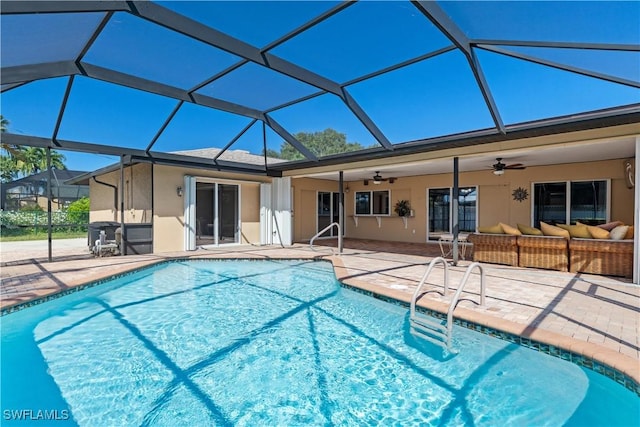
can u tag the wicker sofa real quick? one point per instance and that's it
(494, 248)
(546, 252)
(608, 257)
(595, 256)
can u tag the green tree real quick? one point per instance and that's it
(324, 143)
(12, 150)
(78, 211)
(8, 169)
(35, 160)
(8, 162)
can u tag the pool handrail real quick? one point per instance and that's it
(327, 228)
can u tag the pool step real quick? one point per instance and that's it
(429, 328)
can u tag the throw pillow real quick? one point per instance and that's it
(530, 231)
(579, 230)
(552, 230)
(510, 230)
(597, 232)
(629, 234)
(619, 232)
(610, 225)
(491, 229)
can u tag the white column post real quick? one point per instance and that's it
(636, 216)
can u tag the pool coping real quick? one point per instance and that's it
(614, 365)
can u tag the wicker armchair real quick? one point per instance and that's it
(608, 257)
(546, 252)
(494, 248)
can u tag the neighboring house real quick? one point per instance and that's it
(32, 190)
(569, 176)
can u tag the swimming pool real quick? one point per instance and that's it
(274, 343)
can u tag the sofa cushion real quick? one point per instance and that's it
(491, 229)
(610, 225)
(552, 230)
(597, 232)
(531, 231)
(629, 234)
(578, 230)
(619, 232)
(509, 229)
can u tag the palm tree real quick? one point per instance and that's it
(35, 160)
(11, 149)
(8, 163)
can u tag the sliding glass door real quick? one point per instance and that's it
(328, 212)
(217, 213)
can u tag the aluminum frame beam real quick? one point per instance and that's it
(553, 64)
(432, 11)
(21, 74)
(48, 6)
(193, 29)
(137, 154)
(289, 138)
(565, 45)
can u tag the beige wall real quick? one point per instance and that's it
(166, 209)
(137, 195)
(104, 206)
(169, 207)
(495, 201)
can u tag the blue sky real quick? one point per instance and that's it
(431, 98)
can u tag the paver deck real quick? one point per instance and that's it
(591, 315)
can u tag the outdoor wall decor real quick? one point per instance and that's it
(520, 194)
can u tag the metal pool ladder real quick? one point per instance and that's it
(432, 329)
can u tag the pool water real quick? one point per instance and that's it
(275, 343)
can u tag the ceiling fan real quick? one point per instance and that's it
(499, 167)
(378, 179)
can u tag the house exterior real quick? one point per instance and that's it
(587, 176)
(32, 190)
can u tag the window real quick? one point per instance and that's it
(372, 202)
(584, 201)
(440, 209)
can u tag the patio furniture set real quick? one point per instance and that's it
(587, 255)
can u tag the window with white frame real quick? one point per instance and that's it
(571, 201)
(372, 202)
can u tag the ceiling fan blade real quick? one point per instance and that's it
(392, 180)
(516, 166)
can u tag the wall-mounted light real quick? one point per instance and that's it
(346, 190)
(179, 191)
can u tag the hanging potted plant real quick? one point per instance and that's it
(402, 208)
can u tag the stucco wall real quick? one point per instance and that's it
(137, 195)
(495, 201)
(103, 203)
(158, 202)
(169, 207)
